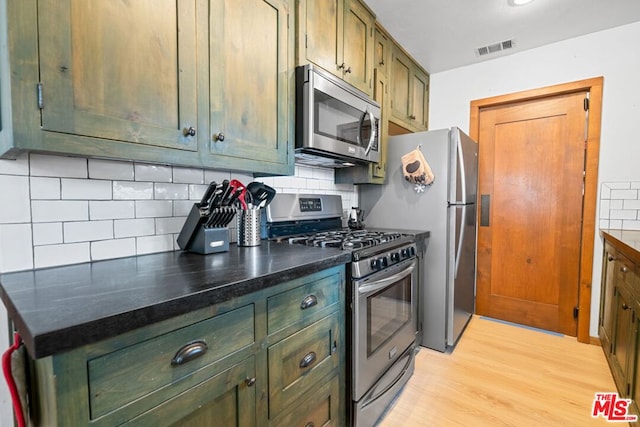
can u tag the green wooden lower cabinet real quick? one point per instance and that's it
(217, 366)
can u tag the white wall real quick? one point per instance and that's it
(612, 54)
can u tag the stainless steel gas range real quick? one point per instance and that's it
(381, 297)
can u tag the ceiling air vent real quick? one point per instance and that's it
(495, 47)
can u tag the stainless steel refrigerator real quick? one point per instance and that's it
(447, 209)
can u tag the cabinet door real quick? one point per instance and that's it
(400, 87)
(320, 37)
(381, 51)
(622, 339)
(227, 399)
(419, 100)
(357, 63)
(380, 94)
(607, 302)
(249, 84)
(122, 71)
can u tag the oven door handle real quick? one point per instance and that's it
(383, 283)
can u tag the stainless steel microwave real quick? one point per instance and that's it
(336, 124)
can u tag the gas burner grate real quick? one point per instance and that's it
(345, 239)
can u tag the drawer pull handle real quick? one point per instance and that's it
(611, 258)
(250, 381)
(189, 352)
(307, 360)
(308, 301)
(310, 424)
(625, 307)
(624, 269)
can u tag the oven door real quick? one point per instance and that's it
(384, 310)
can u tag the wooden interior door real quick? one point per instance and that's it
(531, 183)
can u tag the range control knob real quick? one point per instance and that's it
(404, 253)
(384, 261)
(412, 250)
(376, 264)
(395, 256)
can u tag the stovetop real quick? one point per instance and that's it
(344, 238)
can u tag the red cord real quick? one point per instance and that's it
(13, 389)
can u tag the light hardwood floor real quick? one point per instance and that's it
(504, 375)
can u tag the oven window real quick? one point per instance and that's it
(337, 120)
(387, 312)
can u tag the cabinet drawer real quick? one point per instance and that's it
(143, 370)
(304, 304)
(298, 363)
(321, 407)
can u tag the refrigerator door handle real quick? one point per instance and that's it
(460, 239)
(463, 178)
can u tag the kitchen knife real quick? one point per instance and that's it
(208, 193)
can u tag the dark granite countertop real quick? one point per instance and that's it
(626, 241)
(61, 308)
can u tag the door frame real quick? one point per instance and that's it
(594, 87)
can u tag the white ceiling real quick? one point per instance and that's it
(444, 34)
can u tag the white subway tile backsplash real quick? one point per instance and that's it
(171, 191)
(623, 202)
(110, 169)
(169, 225)
(632, 225)
(52, 255)
(19, 166)
(108, 249)
(183, 207)
(130, 190)
(64, 210)
(111, 209)
(86, 189)
(16, 250)
(188, 176)
(631, 204)
(134, 227)
(624, 194)
(217, 176)
(47, 233)
(153, 208)
(45, 188)
(86, 231)
(156, 173)
(623, 214)
(152, 244)
(15, 199)
(58, 166)
(59, 210)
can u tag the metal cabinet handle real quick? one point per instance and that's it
(310, 424)
(624, 269)
(190, 131)
(307, 360)
(611, 258)
(218, 137)
(412, 117)
(250, 381)
(341, 66)
(189, 352)
(348, 70)
(625, 307)
(308, 301)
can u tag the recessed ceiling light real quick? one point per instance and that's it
(519, 2)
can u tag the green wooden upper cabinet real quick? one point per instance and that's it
(337, 35)
(251, 58)
(153, 80)
(409, 92)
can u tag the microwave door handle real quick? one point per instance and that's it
(372, 137)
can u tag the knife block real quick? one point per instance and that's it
(210, 240)
(194, 237)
